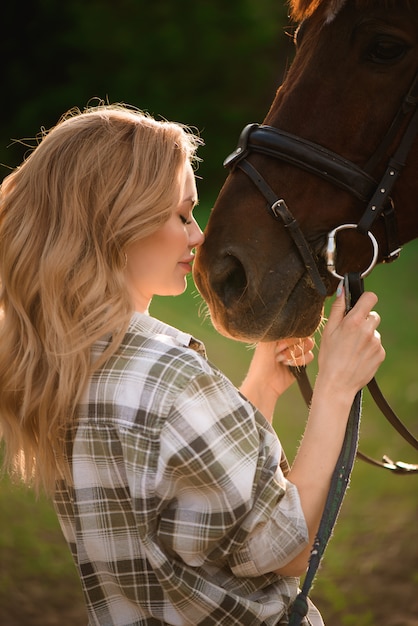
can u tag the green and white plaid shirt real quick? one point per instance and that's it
(179, 510)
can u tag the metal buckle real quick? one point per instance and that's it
(331, 250)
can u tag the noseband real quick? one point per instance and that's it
(328, 165)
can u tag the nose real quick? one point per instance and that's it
(229, 279)
(196, 235)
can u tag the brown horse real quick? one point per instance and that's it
(336, 121)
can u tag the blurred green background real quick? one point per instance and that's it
(213, 65)
(210, 64)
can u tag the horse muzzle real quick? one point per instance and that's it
(232, 288)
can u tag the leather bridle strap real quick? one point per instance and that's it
(338, 487)
(278, 209)
(381, 196)
(409, 103)
(305, 155)
(339, 483)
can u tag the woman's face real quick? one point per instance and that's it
(159, 263)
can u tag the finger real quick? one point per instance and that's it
(284, 344)
(291, 342)
(364, 305)
(337, 311)
(294, 348)
(302, 355)
(305, 359)
(373, 318)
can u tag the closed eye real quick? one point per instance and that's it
(386, 50)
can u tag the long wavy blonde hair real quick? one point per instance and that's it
(96, 182)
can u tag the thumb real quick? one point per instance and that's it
(337, 311)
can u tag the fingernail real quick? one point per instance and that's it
(339, 291)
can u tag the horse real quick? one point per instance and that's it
(337, 150)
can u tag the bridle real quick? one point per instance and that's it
(328, 165)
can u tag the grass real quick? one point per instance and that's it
(369, 574)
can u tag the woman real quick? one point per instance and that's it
(169, 484)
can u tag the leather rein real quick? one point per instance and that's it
(316, 159)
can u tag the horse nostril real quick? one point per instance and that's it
(231, 284)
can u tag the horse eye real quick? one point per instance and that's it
(386, 51)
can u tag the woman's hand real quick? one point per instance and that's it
(269, 374)
(351, 349)
(272, 360)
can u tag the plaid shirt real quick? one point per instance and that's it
(179, 511)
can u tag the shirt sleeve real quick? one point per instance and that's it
(223, 496)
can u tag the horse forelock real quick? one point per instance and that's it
(302, 9)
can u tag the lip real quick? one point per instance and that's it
(187, 261)
(186, 264)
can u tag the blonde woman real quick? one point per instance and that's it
(171, 488)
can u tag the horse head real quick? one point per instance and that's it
(345, 99)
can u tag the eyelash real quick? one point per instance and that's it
(185, 220)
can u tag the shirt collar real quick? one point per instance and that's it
(164, 332)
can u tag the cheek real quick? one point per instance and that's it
(173, 240)
(158, 251)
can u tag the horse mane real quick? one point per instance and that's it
(302, 9)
